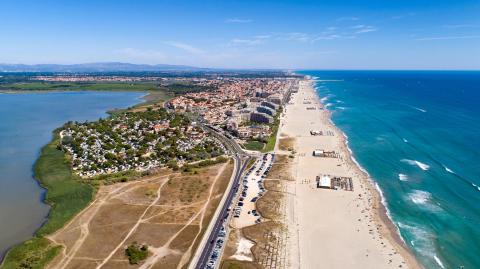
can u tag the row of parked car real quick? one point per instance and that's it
(220, 240)
(258, 172)
(218, 247)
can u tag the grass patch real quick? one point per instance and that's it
(35, 253)
(272, 139)
(65, 195)
(254, 145)
(76, 86)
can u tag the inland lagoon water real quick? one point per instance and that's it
(26, 124)
(417, 133)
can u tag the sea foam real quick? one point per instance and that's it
(421, 165)
(424, 199)
(420, 109)
(476, 186)
(448, 169)
(420, 197)
(402, 177)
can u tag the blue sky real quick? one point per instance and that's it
(388, 34)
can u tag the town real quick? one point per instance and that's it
(243, 108)
(136, 141)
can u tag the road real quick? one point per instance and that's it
(241, 160)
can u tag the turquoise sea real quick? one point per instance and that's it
(26, 124)
(418, 136)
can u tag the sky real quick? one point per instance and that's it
(329, 34)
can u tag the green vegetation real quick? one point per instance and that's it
(204, 163)
(136, 253)
(35, 253)
(254, 145)
(272, 139)
(172, 88)
(65, 195)
(77, 86)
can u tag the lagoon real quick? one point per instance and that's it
(26, 124)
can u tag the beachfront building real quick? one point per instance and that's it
(265, 110)
(324, 182)
(261, 118)
(269, 105)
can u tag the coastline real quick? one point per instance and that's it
(305, 196)
(60, 190)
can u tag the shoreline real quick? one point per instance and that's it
(38, 238)
(384, 218)
(304, 197)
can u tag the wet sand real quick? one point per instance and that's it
(333, 228)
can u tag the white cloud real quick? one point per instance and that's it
(295, 36)
(186, 47)
(237, 20)
(448, 37)
(248, 42)
(361, 28)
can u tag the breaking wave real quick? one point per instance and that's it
(422, 166)
(476, 186)
(402, 177)
(448, 170)
(420, 197)
(419, 109)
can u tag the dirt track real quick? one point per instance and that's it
(167, 212)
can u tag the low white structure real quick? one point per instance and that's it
(318, 153)
(324, 182)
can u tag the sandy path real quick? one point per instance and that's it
(134, 228)
(165, 249)
(84, 218)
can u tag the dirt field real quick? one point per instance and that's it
(167, 212)
(286, 143)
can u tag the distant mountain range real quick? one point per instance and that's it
(96, 67)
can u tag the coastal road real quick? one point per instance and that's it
(241, 160)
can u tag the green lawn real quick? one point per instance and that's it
(65, 195)
(254, 145)
(272, 139)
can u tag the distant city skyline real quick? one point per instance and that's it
(245, 34)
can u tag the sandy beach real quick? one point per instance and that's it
(333, 228)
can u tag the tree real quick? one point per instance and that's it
(136, 253)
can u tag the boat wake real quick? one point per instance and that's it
(421, 165)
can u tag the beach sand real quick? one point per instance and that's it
(333, 228)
